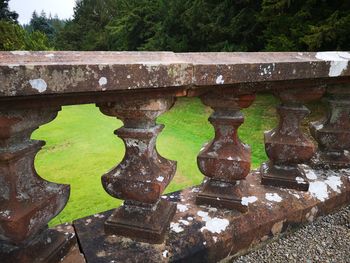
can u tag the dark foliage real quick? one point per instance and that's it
(197, 25)
(14, 37)
(5, 13)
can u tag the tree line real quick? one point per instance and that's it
(191, 25)
(39, 34)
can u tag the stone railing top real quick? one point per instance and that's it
(25, 73)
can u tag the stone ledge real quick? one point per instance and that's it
(206, 234)
(74, 255)
(24, 73)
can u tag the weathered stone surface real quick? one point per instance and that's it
(333, 133)
(74, 255)
(287, 146)
(142, 176)
(27, 202)
(225, 160)
(33, 73)
(137, 87)
(225, 68)
(207, 234)
(43, 73)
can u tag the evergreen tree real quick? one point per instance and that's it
(14, 37)
(6, 14)
(134, 24)
(204, 25)
(41, 23)
(301, 25)
(88, 29)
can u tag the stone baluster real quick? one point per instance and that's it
(143, 174)
(225, 160)
(287, 146)
(333, 133)
(27, 202)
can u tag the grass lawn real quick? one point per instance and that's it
(81, 147)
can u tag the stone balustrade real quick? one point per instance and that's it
(137, 87)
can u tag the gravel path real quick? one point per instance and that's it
(325, 240)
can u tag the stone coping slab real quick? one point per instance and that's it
(208, 234)
(24, 73)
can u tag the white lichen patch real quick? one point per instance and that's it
(215, 225)
(182, 208)
(339, 61)
(309, 172)
(88, 221)
(13, 65)
(165, 253)
(318, 189)
(300, 180)
(5, 213)
(345, 171)
(132, 142)
(50, 55)
(248, 200)
(266, 70)
(195, 190)
(212, 209)
(99, 216)
(204, 215)
(101, 254)
(175, 227)
(273, 197)
(20, 52)
(160, 178)
(296, 195)
(38, 84)
(220, 80)
(215, 239)
(334, 182)
(190, 218)
(310, 175)
(102, 81)
(184, 222)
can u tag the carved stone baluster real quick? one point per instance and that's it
(333, 133)
(143, 174)
(287, 146)
(225, 160)
(27, 202)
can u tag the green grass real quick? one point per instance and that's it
(81, 147)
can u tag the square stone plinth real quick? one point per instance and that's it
(148, 226)
(207, 234)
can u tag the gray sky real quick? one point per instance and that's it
(25, 8)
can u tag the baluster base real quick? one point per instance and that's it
(140, 223)
(291, 176)
(331, 160)
(222, 194)
(49, 247)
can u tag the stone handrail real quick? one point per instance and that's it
(137, 87)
